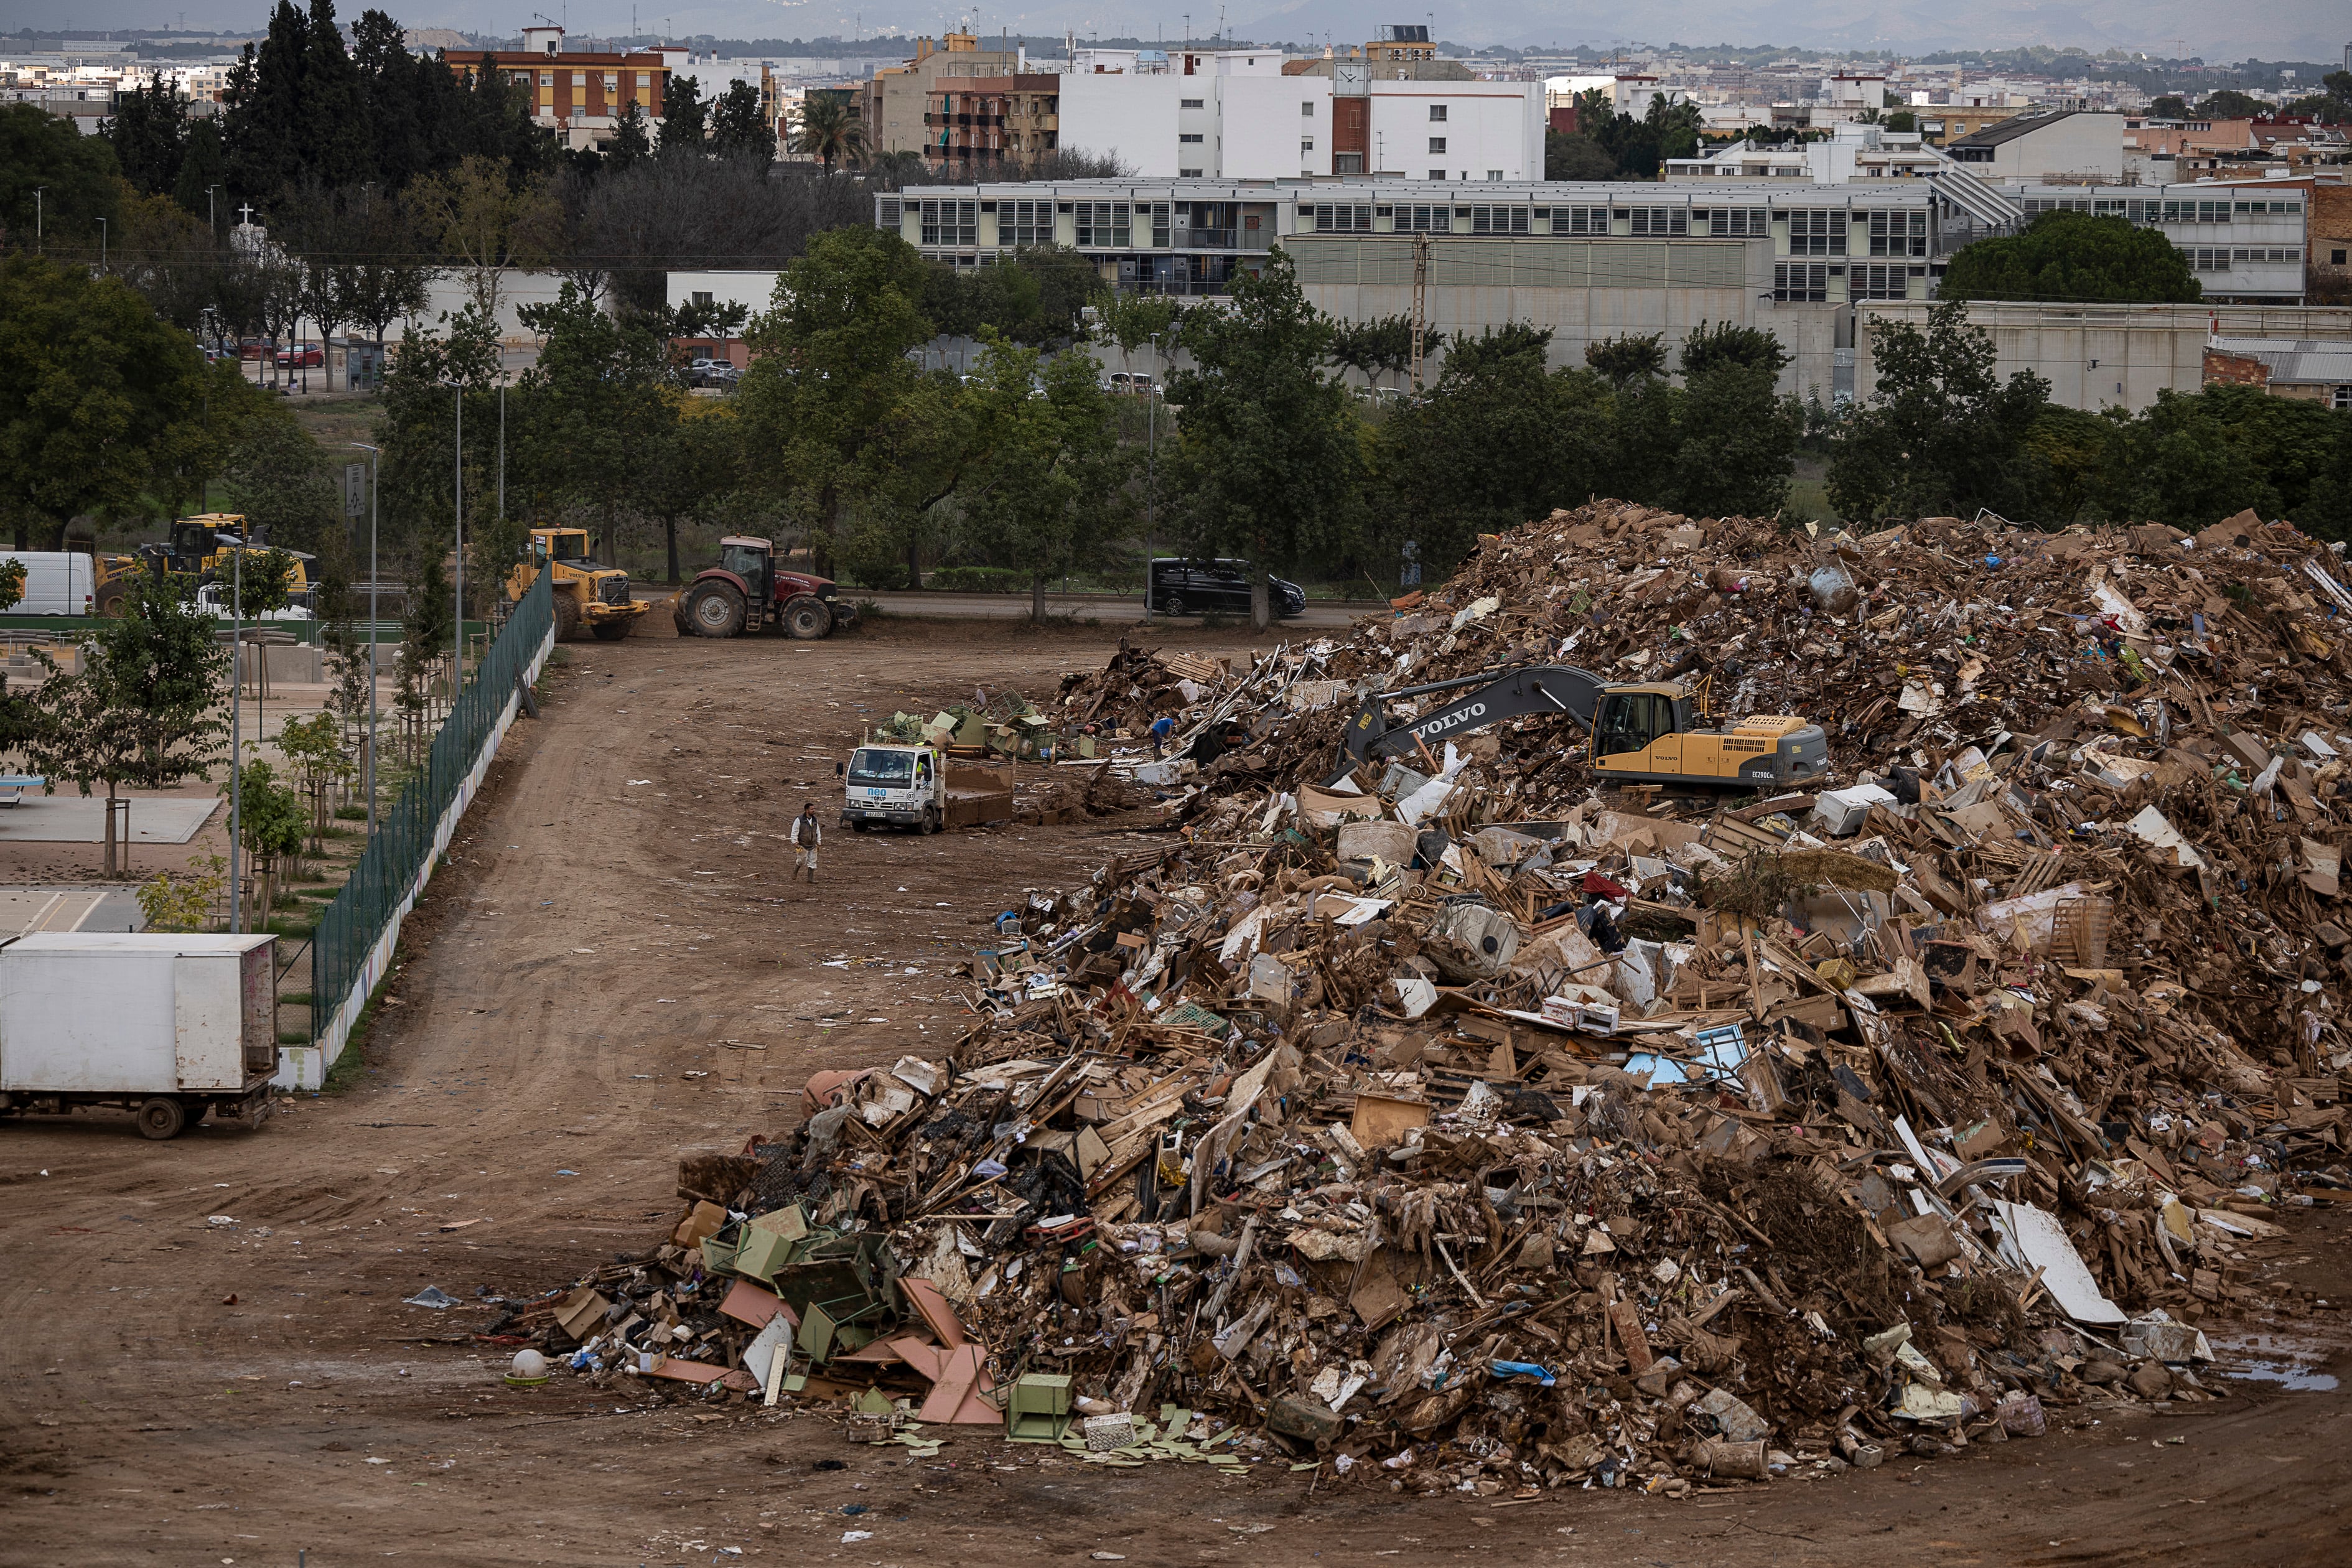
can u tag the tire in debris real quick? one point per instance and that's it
(806, 617)
(715, 610)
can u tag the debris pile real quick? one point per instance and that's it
(1475, 1130)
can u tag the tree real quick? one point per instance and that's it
(1570, 156)
(92, 390)
(313, 750)
(277, 482)
(140, 711)
(685, 113)
(738, 129)
(1498, 440)
(383, 279)
(593, 403)
(149, 132)
(1736, 438)
(37, 149)
(2168, 106)
(2191, 458)
(632, 138)
(830, 132)
(416, 477)
(829, 373)
(2231, 104)
(1623, 359)
(1708, 348)
(271, 822)
(1267, 445)
(896, 170)
(12, 583)
(1045, 488)
(481, 218)
(1942, 433)
(2073, 257)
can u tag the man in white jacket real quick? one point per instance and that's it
(805, 836)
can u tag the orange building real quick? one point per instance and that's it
(583, 95)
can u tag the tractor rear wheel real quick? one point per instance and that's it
(715, 610)
(806, 617)
(567, 618)
(109, 601)
(612, 631)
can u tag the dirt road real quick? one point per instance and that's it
(208, 1360)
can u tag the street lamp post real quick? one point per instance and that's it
(102, 245)
(457, 670)
(375, 455)
(40, 209)
(236, 744)
(1152, 471)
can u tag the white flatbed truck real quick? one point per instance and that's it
(922, 787)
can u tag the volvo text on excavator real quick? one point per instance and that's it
(1642, 733)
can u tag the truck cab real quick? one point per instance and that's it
(895, 786)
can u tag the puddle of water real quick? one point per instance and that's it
(2287, 1362)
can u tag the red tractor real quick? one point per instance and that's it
(746, 592)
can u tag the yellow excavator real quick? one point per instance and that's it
(585, 593)
(1642, 733)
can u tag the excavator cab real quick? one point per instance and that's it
(1632, 718)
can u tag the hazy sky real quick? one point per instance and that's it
(2275, 29)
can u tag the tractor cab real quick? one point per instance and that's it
(752, 560)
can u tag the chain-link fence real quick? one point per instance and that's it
(355, 935)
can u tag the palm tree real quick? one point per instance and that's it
(829, 132)
(895, 171)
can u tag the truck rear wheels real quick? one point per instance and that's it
(714, 610)
(161, 1118)
(806, 617)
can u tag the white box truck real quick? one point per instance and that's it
(56, 582)
(165, 1026)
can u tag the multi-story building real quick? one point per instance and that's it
(976, 126)
(584, 96)
(1237, 114)
(1590, 261)
(2246, 241)
(898, 99)
(2083, 147)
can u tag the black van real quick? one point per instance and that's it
(1181, 587)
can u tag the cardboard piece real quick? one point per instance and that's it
(1381, 1123)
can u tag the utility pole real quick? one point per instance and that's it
(375, 455)
(1420, 299)
(102, 245)
(211, 216)
(40, 208)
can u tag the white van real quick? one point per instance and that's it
(56, 582)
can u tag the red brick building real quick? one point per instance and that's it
(583, 95)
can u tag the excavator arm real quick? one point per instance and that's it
(1495, 697)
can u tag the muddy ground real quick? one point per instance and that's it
(208, 1360)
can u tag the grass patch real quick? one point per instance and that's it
(348, 814)
(293, 998)
(293, 1037)
(353, 1063)
(300, 928)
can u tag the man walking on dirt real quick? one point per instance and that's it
(805, 836)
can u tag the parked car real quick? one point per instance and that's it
(1133, 384)
(297, 356)
(251, 348)
(1181, 587)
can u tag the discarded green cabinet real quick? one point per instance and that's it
(1038, 1410)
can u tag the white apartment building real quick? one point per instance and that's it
(1234, 115)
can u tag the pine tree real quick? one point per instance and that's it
(684, 114)
(149, 132)
(332, 110)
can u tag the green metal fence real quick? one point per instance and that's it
(354, 944)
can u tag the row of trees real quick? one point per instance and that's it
(1609, 145)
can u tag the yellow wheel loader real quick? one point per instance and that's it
(585, 593)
